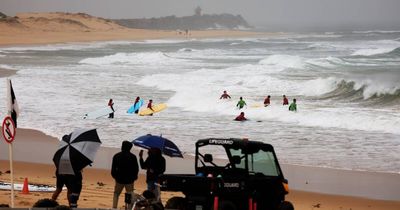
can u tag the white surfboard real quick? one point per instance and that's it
(98, 113)
(31, 187)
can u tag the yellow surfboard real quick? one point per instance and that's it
(156, 108)
(257, 105)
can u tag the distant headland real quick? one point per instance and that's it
(198, 21)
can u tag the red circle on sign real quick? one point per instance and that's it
(5, 129)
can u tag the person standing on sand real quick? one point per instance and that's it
(124, 170)
(285, 100)
(74, 185)
(73, 182)
(293, 106)
(241, 103)
(267, 101)
(60, 182)
(111, 104)
(155, 166)
(225, 95)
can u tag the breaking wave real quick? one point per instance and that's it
(365, 91)
(378, 51)
(150, 58)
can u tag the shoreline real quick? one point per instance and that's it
(7, 72)
(36, 38)
(361, 184)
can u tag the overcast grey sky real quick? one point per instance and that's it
(274, 14)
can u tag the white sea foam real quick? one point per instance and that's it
(374, 51)
(186, 50)
(218, 54)
(206, 99)
(375, 47)
(150, 58)
(318, 86)
(167, 41)
(375, 31)
(286, 61)
(372, 87)
(57, 47)
(329, 62)
(3, 66)
(190, 82)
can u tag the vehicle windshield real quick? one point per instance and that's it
(258, 162)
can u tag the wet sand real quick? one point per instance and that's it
(33, 152)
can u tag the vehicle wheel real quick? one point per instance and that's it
(226, 205)
(286, 205)
(176, 203)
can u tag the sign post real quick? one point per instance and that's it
(8, 130)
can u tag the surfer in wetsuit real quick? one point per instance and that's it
(240, 117)
(111, 104)
(285, 100)
(225, 95)
(267, 101)
(241, 103)
(293, 106)
(136, 101)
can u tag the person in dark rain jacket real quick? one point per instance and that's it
(155, 166)
(124, 170)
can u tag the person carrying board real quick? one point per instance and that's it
(136, 101)
(150, 106)
(111, 104)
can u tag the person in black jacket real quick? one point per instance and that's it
(155, 166)
(124, 170)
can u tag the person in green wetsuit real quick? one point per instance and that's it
(241, 103)
(293, 106)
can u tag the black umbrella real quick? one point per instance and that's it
(76, 151)
(166, 146)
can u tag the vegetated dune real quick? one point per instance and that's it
(61, 27)
(58, 22)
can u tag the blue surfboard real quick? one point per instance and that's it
(135, 107)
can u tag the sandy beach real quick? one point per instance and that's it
(311, 187)
(33, 151)
(47, 28)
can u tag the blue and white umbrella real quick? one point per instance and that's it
(166, 146)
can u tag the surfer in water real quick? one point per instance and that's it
(267, 101)
(225, 95)
(136, 101)
(241, 103)
(285, 100)
(293, 106)
(150, 106)
(111, 104)
(241, 117)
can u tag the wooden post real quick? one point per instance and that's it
(10, 152)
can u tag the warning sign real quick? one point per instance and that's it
(8, 129)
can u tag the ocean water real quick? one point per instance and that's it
(347, 87)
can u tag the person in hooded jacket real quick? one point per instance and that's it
(155, 166)
(124, 170)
